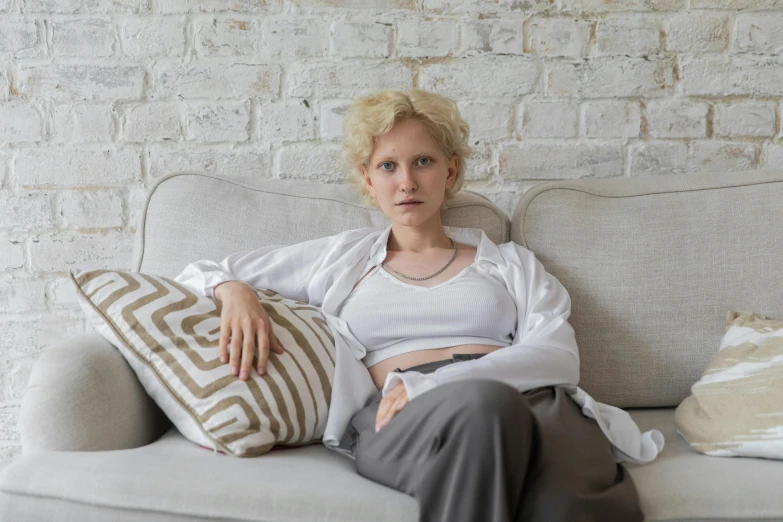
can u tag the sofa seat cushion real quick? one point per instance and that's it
(173, 479)
(682, 484)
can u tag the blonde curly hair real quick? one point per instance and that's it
(371, 116)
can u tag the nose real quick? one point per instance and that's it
(407, 181)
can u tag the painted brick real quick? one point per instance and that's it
(299, 37)
(741, 74)
(151, 37)
(341, 79)
(198, 80)
(315, 163)
(211, 121)
(91, 37)
(25, 210)
(549, 119)
(677, 118)
(81, 251)
(559, 36)
(93, 209)
(21, 295)
(20, 122)
(612, 119)
(11, 253)
(214, 6)
(611, 76)
(416, 37)
(366, 39)
(82, 7)
(493, 36)
(22, 39)
(467, 77)
(649, 158)
(226, 37)
(68, 82)
(745, 118)
(493, 120)
(759, 33)
(332, 113)
(152, 121)
(286, 122)
(82, 122)
(241, 163)
(45, 167)
(628, 34)
(696, 32)
(560, 160)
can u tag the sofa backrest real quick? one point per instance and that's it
(191, 216)
(652, 265)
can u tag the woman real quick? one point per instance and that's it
(473, 362)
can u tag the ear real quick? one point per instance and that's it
(367, 180)
(452, 177)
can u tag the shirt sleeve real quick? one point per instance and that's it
(543, 351)
(285, 269)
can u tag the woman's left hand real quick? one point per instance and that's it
(392, 403)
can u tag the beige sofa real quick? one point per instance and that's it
(652, 266)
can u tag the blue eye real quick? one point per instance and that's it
(428, 160)
(384, 163)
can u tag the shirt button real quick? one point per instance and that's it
(484, 265)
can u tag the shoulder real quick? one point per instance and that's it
(516, 255)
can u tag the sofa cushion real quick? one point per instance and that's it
(682, 484)
(652, 265)
(174, 480)
(170, 338)
(736, 409)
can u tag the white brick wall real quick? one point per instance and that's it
(100, 98)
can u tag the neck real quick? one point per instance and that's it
(418, 239)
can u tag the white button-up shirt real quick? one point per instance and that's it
(323, 272)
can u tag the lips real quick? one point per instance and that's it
(409, 203)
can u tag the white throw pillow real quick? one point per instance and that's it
(736, 408)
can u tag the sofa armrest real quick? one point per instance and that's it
(83, 396)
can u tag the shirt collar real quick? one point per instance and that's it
(486, 249)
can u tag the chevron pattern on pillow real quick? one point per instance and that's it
(170, 336)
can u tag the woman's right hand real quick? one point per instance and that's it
(244, 321)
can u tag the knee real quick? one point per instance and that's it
(488, 399)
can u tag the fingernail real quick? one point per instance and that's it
(377, 427)
(223, 358)
(233, 370)
(261, 371)
(243, 375)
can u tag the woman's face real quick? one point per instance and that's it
(408, 163)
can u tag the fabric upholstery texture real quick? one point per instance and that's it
(170, 337)
(652, 265)
(174, 480)
(736, 408)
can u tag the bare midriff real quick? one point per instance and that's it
(407, 360)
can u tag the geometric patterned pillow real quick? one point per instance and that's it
(170, 338)
(736, 408)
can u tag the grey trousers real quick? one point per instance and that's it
(480, 451)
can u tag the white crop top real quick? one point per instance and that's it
(390, 317)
